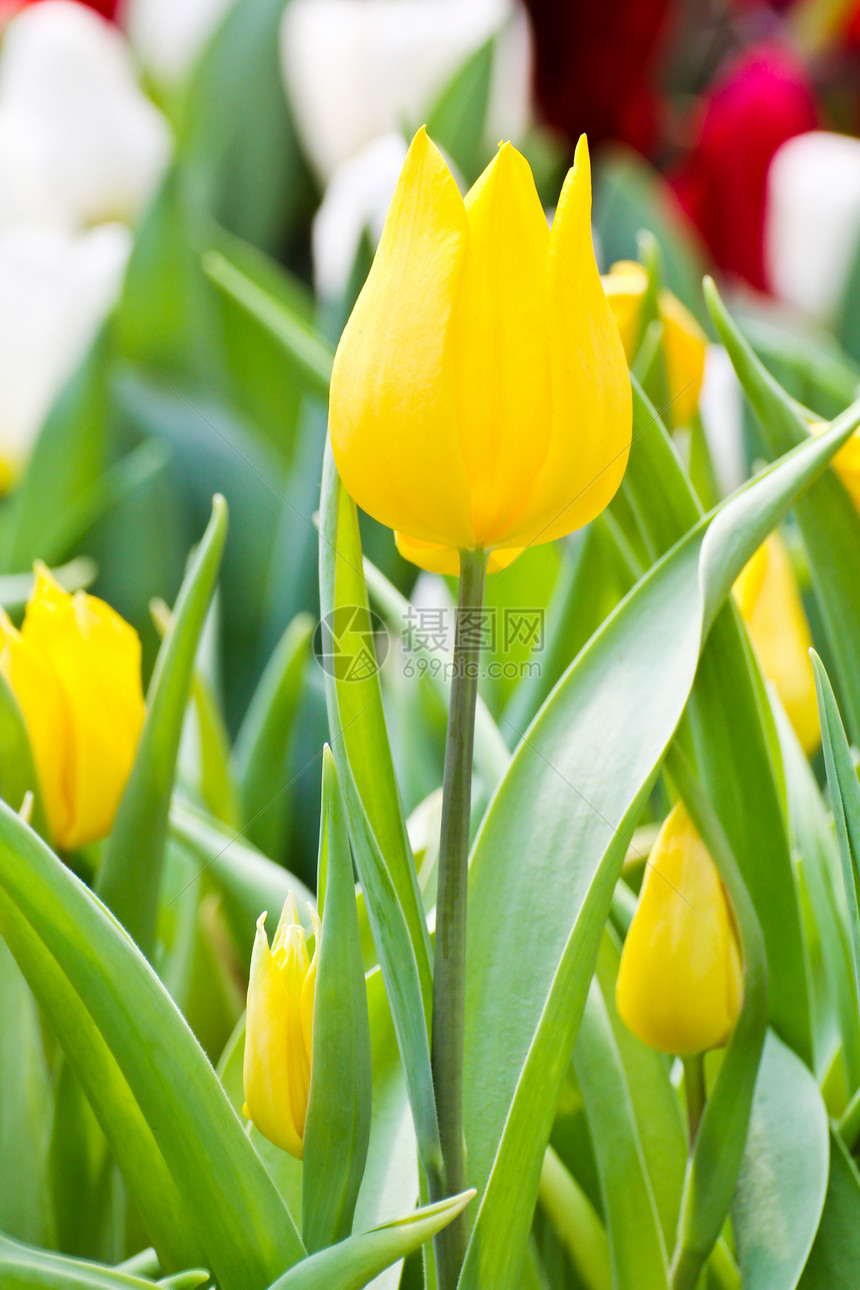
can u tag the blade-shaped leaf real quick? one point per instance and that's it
(569, 801)
(827, 516)
(76, 955)
(636, 1243)
(783, 1179)
(24, 1268)
(356, 1261)
(383, 856)
(338, 1120)
(260, 752)
(130, 873)
(835, 1256)
(845, 798)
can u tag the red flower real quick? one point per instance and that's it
(761, 100)
(107, 8)
(593, 66)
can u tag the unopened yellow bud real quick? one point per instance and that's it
(769, 599)
(279, 1030)
(74, 668)
(683, 339)
(680, 981)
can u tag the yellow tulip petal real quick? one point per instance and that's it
(685, 345)
(680, 981)
(624, 286)
(443, 559)
(500, 345)
(43, 705)
(780, 633)
(95, 656)
(847, 465)
(267, 1060)
(591, 397)
(392, 414)
(309, 989)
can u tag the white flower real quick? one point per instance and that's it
(55, 289)
(169, 35)
(79, 141)
(721, 410)
(358, 69)
(357, 198)
(812, 231)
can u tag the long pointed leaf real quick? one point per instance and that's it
(130, 874)
(246, 1232)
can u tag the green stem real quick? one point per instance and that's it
(694, 1093)
(449, 973)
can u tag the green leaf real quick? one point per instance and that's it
(570, 799)
(845, 799)
(24, 1268)
(338, 1120)
(356, 1261)
(577, 1224)
(732, 744)
(17, 768)
(247, 881)
(636, 1243)
(457, 120)
(656, 1105)
(827, 516)
(25, 1108)
(835, 1256)
(383, 856)
(119, 1028)
(304, 345)
(130, 873)
(260, 751)
(783, 1179)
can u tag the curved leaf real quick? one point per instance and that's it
(356, 1261)
(260, 751)
(783, 1179)
(570, 800)
(835, 1256)
(24, 1268)
(130, 874)
(74, 953)
(338, 1119)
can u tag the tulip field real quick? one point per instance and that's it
(429, 645)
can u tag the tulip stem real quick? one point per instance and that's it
(694, 1093)
(449, 992)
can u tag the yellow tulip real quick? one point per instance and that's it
(846, 463)
(480, 398)
(279, 1030)
(769, 599)
(683, 339)
(680, 981)
(74, 668)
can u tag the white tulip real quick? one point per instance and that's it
(56, 287)
(169, 35)
(356, 199)
(812, 231)
(358, 69)
(79, 141)
(721, 410)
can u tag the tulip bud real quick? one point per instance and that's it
(279, 1030)
(457, 415)
(74, 668)
(813, 220)
(769, 600)
(680, 981)
(684, 341)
